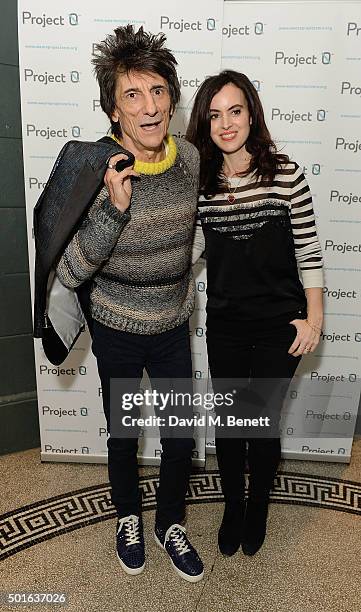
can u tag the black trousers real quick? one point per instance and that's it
(123, 355)
(255, 352)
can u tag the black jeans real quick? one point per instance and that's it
(164, 356)
(256, 351)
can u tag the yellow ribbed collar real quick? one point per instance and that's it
(156, 167)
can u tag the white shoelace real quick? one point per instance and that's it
(131, 529)
(176, 533)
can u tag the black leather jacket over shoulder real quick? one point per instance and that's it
(74, 182)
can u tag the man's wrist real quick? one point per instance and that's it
(112, 211)
(121, 207)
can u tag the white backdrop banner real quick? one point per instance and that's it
(304, 59)
(60, 101)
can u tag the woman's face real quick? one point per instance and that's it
(230, 119)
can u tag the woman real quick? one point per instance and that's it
(255, 209)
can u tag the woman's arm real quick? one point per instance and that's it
(314, 296)
(307, 247)
(309, 258)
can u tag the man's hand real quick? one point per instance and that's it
(119, 184)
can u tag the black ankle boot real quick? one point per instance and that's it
(254, 527)
(230, 531)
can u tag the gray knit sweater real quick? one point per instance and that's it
(140, 260)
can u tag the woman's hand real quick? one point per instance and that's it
(306, 340)
(118, 183)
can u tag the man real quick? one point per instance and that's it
(135, 244)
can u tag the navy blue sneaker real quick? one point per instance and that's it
(130, 544)
(183, 556)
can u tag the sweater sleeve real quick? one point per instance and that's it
(307, 246)
(198, 245)
(93, 242)
(191, 159)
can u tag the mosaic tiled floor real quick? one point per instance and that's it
(27, 526)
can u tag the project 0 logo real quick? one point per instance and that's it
(315, 375)
(352, 146)
(82, 450)
(327, 451)
(63, 412)
(181, 25)
(342, 247)
(179, 134)
(294, 117)
(339, 293)
(337, 197)
(353, 29)
(351, 90)
(45, 78)
(35, 183)
(194, 82)
(296, 60)
(335, 337)
(230, 30)
(57, 371)
(45, 21)
(314, 169)
(48, 133)
(327, 416)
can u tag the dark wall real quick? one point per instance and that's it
(19, 421)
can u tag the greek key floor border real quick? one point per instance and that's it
(46, 519)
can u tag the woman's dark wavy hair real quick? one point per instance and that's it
(265, 158)
(127, 50)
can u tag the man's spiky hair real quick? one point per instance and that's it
(127, 50)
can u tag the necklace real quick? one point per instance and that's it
(231, 197)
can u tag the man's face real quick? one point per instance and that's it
(142, 109)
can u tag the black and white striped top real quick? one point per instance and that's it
(257, 245)
(254, 206)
